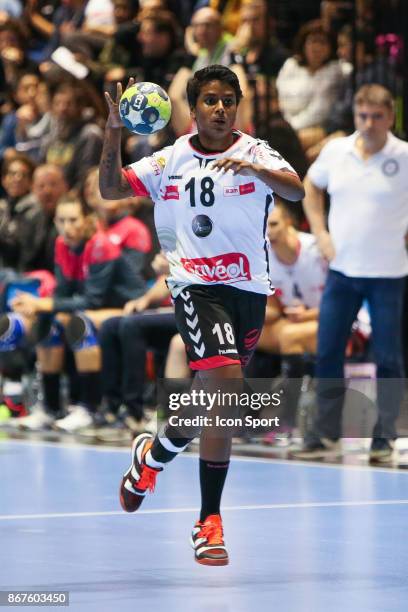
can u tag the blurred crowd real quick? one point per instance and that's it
(94, 365)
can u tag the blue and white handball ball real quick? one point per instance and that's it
(145, 108)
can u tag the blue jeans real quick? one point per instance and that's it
(341, 301)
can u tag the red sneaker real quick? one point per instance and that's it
(17, 408)
(139, 478)
(207, 539)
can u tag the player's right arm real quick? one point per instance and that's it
(113, 184)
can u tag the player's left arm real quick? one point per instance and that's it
(283, 182)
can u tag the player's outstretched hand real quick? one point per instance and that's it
(114, 120)
(237, 166)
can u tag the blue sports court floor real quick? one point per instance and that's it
(316, 538)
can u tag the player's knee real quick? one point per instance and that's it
(131, 326)
(12, 332)
(109, 328)
(81, 333)
(288, 337)
(48, 333)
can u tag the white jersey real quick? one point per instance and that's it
(211, 224)
(302, 281)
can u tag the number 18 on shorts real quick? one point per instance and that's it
(220, 325)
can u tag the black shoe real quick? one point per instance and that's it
(139, 478)
(318, 448)
(381, 450)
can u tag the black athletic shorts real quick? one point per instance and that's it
(220, 325)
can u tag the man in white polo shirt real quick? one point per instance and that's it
(366, 176)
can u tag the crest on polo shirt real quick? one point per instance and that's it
(390, 167)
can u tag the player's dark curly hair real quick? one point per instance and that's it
(216, 72)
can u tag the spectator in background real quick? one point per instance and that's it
(67, 17)
(309, 83)
(98, 26)
(270, 125)
(256, 42)
(335, 14)
(99, 18)
(207, 42)
(125, 341)
(88, 290)
(21, 220)
(366, 175)
(156, 54)
(13, 56)
(229, 11)
(124, 11)
(22, 128)
(10, 8)
(73, 142)
(369, 68)
(49, 185)
(119, 48)
(369, 15)
(291, 14)
(124, 231)
(37, 18)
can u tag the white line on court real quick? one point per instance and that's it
(338, 504)
(192, 455)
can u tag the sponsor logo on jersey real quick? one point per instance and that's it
(155, 166)
(161, 161)
(175, 177)
(239, 189)
(247, 188)
(231, 191)
(262, 153)
(202, 226)
(171, 192)
(228, 267)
